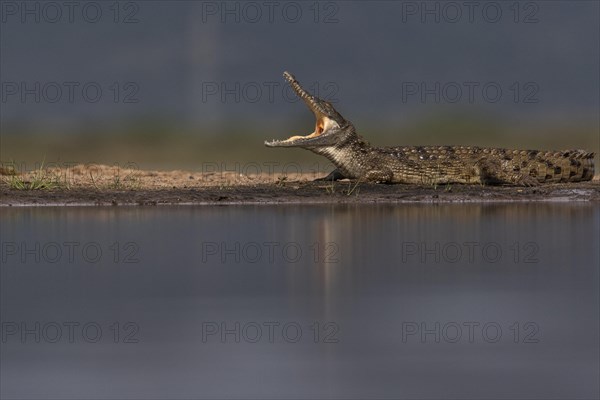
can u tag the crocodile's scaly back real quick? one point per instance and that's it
(336, 138)
(470, 164)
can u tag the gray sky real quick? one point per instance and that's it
(202, 63)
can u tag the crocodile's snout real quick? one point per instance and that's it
(328, 120)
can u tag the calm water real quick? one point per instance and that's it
(474, 301)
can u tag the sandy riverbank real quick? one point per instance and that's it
(109, 185)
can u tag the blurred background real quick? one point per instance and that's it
(178, 84)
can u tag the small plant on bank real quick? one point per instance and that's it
(41, 179)
(352, 189)
(281, 181)
(330, 189)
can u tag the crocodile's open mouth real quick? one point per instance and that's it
(322, 125)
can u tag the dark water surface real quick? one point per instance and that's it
(449, 301)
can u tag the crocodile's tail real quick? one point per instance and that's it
(552, 166)
(563, 166)
(532, 167)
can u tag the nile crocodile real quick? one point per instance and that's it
(336, 138)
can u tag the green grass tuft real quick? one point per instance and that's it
(41, 180)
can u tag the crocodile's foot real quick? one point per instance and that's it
(379, 176)
(334, 175)
(510, 179)
(525, 180)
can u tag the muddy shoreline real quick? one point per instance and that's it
(299, 193)
(101, 185)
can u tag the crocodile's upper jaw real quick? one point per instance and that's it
(329, 122)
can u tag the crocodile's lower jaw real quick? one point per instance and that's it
(291, 141)
(307, 142)
(275, 143)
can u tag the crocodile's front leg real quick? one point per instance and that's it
(334, 175)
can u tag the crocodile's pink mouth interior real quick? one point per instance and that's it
(319, 129)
